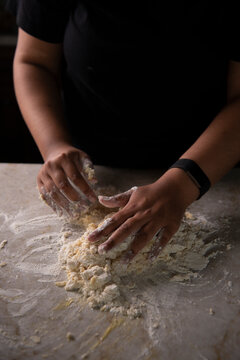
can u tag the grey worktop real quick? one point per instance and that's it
(35, 315)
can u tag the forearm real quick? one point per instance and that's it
(217, 150)
(39, 98)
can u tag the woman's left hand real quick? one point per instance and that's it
(146, 211)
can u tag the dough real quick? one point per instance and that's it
(105, 283)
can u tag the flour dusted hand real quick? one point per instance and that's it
(64, 181)
(149, 211)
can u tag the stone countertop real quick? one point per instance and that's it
(197, 320)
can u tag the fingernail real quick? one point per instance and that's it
(95, 236)
(92, 236)
(104, 198)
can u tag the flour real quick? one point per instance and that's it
(106, 283)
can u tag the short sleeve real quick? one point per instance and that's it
(43, 19)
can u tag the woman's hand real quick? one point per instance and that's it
(147, 211)
(63, 180)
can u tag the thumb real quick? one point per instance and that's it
(118, 200)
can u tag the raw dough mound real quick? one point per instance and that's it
(107, 284)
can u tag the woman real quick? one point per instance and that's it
(130, 85)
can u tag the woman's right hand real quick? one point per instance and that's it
(64, 180)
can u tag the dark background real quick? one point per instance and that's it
(16, 143)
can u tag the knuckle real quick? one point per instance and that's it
(147, 213)
(48, 164)
(62, 157)
(132, 207)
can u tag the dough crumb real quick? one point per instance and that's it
(85, 356)
(60, 283)
(67, 234)
(90, 173)
(2, 264)
(2, 244)
(36, 339)
(189, 215)
(70, 336)
(211, 311)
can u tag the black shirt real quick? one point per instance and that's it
(141, 80)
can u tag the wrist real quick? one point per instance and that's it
(55, 148)
(195, 173)
(186, 191)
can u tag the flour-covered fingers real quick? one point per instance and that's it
(109, 225)
(71, 172)
(141, 238)
(124, 231)
(50, 202)
(62, 183)
(118, 200)
(52, 196)
(165, 236)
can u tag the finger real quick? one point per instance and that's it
(109, 225)
(157, 246)
(82, 183)
(60, 180)
(49, 201)
(162, 240)
(88, 170)
(73, 174)
(52, 196)
(118, 200)
(142, 237)
(126, 230)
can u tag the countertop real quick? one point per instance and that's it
(199, 319)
